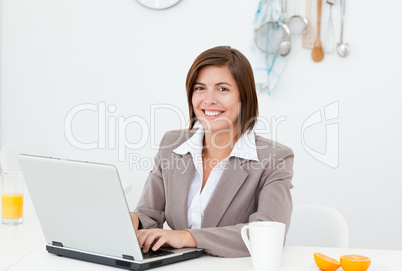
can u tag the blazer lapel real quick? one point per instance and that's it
(179, 186)
(231, 181)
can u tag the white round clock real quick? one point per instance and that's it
(158, 4)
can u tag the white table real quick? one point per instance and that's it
(23, 248)
(17, 242)
(294, 259)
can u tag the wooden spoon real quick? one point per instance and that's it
(318, 54)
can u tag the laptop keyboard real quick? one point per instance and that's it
(153, 254)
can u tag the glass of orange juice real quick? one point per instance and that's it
(12, 198)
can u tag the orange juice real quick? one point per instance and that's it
(12, 205)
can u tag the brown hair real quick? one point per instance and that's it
(242, 73)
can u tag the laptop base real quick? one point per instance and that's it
(126, 264)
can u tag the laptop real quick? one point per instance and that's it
(84, 215)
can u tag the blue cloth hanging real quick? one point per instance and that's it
(267, 68)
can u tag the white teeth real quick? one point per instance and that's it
(212, 113)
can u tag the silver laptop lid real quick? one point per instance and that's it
(81, 205)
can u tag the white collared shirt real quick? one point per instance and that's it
(198, 200)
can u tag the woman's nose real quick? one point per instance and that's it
(210, 97)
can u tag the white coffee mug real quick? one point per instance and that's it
(265, 244)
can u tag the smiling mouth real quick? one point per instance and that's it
(212, 113)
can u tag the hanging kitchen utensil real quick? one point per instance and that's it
(267, 68)
(342, 47)
(308, 36)
(273, 37)
(297, 23)
(318, 54)
(329, 43)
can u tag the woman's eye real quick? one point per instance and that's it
(198, 88)
(222, 89)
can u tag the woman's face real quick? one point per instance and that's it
(216, 99)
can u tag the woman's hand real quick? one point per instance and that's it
(136, 220)
(159, 237)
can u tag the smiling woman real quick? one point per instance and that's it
(208, 183)
(236, 72)
(216, 99)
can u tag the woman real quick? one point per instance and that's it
(208, 183)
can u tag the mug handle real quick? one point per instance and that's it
(245, 237)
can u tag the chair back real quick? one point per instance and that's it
(317, 225)
(9, 156)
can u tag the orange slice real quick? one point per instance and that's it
(355, 262)
(326, 263)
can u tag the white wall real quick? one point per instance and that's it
(58, 54)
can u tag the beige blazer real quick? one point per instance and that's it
(247, 191)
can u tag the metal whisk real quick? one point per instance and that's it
(329, 44)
